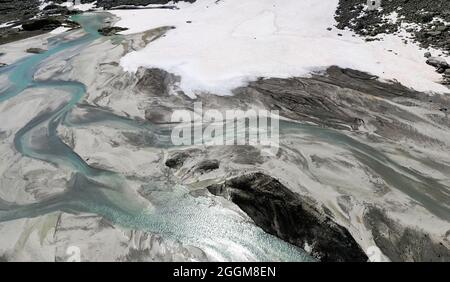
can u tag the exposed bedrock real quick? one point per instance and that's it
(42, 24)
(177, 160)
(155, 82)
(111, 30)
(285, 214)
(14, 10)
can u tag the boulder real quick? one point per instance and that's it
(438, 62)
(177, 160)
(35, 50)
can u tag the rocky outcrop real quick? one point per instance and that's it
(112, 30)
(155, 82)
(11, 10)
(177, 160)
(441, 65)
(41, 24)
(285, 214)
(438, 63)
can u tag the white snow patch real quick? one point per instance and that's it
(43, 4)
(230, 42)
(69, 4)
(392, 17)
(59, 30)
(3, 25)
(81, 7)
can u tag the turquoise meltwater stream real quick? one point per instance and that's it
(199, 221)
(203, 222)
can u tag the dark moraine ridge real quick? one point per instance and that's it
(285, 214)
